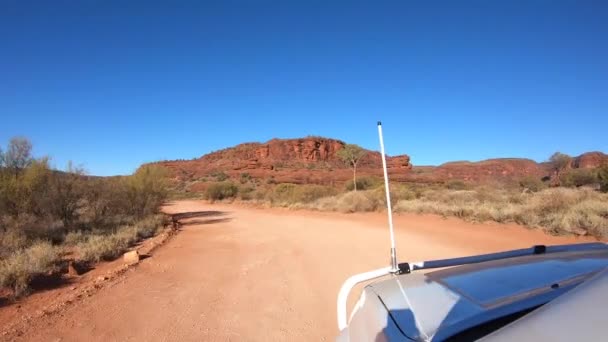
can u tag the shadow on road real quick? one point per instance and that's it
(192, 217)
(192, 214)
(208, 221)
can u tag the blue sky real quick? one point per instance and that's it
(113, 84)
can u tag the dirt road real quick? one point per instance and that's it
(238, 274)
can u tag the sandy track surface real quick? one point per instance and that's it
(241, 274)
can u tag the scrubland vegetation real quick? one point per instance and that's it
(47, 215)
(578, 206)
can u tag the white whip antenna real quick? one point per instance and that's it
(394, 266)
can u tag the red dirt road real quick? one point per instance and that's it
(243, 274)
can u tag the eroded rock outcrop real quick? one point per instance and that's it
(315, 160)
(305, 160)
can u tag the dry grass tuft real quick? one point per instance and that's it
(18, 270)
(287, 194)
(110, 246)
(558, 210)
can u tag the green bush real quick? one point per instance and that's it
(579, 177)
(220, 191)
(147, 190)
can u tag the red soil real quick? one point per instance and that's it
(237, 273)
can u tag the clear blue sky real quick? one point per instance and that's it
(113, 84)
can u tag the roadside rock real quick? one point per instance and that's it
(102, 278)
(131, 258)
(74, 269)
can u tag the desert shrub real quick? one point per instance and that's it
(287, 193)
(18, 270)
(146, 190)
(559, 162)
(532, 183)
(65, 195)
(245, 177)
(103, 247)
(26, 191)
(149, 226)
(219, 176)
(579, 177)
(309, 193)
(246, 193)
(105, 201)
(283, 193)
(12, 240)
(458, 197)
(75, 237)
(558, 210)
(323, 204)
(350, 202)
(357, 201)
(220, 191)
(602, 175)
(94, 214)
(402, 192)
(108, 246)
(592, 215)
(261, 193)
(455, 184)
(364, 183)
(398, 192)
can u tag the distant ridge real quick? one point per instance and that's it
(314, 159)
(311, 159)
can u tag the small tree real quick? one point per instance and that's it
(67, 192)
(18, 155)
(602, 175)
(147, 189)
(351, 154)
(559, 162)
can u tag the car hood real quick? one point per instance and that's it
(439, 304)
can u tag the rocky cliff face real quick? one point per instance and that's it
(590, 160)
(483, 171)
(315, 160)
(306, 160)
